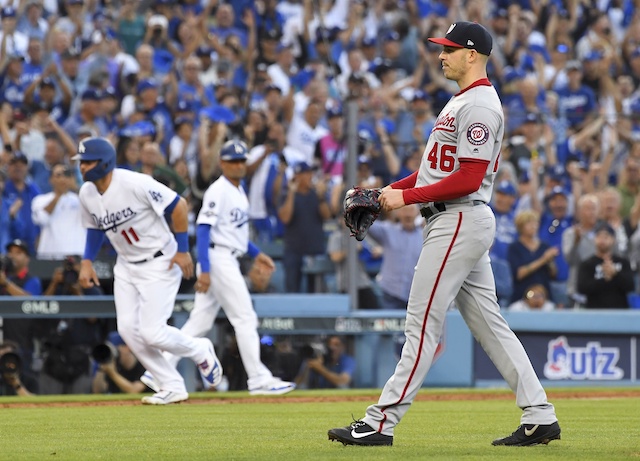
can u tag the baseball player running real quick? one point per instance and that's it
(132, 210)
(453, 185)
(223, 237)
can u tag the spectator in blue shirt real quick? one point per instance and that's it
(11, 86)
(32, 67)
(531, 261)
(554, 221)
(190, 89)
(19, 190)
(577, 102)
(10, 226)
(505, 196)
(225, 18)
(414, 125)
(89, 114)
(334, 369)
(31, 23)
(401, 240)
(270, 17)
(504, 199)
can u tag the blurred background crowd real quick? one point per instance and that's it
(169, 81)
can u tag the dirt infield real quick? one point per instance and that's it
(299, 397)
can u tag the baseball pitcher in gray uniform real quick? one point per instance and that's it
(453, 186)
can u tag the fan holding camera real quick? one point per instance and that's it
(64, 281)
(118, 370)
(12, 380)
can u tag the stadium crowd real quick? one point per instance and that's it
(168, 82)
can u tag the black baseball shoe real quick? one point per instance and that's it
(531, 434)
(359, 433)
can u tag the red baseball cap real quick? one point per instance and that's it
(464, 34)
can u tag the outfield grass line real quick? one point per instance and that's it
(308, 396)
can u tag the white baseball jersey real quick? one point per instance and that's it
(228, 218)
(470, 126)
(131, 213)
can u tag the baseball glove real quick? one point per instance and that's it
(361, 208)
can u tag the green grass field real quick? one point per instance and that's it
(294, 427)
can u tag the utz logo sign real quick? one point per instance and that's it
(591, 362)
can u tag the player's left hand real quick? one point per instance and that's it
(264, 263)
(184, 261)
(87, 276)
(390, 199)
(203, 283)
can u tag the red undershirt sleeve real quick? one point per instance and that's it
(460, 183)
(406, 182)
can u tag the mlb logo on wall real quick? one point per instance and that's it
(591, 362)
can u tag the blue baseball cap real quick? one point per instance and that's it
(532, 117)
(512, 74)
(322, 34)
(283, 46)
(506, 187)
(19, 244)
(420, 95)
(47, 81)
(8, 12)
(234, 151)
(556, 190)
(110, 91)
(204, 50)
(272, 87)
(369, 41)
(556, 172)
(91, 94)
(183, 106)
(18, 156)
(302, 167)
(334, 111)
(392, 36)
(604, 226)
(182, 120)
(146, 84)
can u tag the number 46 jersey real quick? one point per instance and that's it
(469, 127)
(131, 214)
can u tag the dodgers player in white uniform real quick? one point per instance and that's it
(132, 209)
(453, 185)
(222, 237)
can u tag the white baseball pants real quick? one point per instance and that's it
(145, 298)
(229, 290)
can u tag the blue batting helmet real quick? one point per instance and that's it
(234, 150)
(99, 149)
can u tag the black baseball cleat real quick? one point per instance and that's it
(359, 433)
(531, 434)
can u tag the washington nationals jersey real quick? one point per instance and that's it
(228, 218)
(131, 214)
(470, 126)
